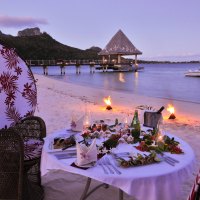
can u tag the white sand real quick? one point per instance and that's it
(57, 101)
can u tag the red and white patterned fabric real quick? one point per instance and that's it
(18, 94)
(32, 149)
(194, 195)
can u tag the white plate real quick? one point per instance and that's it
(50, 148)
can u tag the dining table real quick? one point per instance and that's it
(155, 181)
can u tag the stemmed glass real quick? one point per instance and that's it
(160, 125)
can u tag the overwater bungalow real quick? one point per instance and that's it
(117, 47)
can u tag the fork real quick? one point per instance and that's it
(170, 158)
(167, 157)
(103, 167)
(109, 163)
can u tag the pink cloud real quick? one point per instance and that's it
(12, 22)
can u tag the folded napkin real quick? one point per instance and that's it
(85, 154)
(77, 125)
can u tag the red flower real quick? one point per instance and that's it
(18, 70)
(10, 56)
(86, 134)
(27, 88)
(8, 82)
(10, 98)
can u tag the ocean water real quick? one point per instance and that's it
(156, 80)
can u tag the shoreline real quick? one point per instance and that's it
(58, 101)
(184, 111)
(122, 91)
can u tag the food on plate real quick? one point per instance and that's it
(60, 142)
(139, 160)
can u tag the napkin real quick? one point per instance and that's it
(77, 125)
(86, 154)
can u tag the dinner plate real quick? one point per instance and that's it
(50, 148)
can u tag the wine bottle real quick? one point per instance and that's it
(161, 109)
(135, 125)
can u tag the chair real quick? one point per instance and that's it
(11, 165)
(195, 192)
(33, 130)
(14, 183)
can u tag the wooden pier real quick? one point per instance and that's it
(93, 65)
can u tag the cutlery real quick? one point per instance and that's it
(108, 167)
(170, 158)
(68, 146)
(169, 162)
(109, 163)
(121, 154)
(167, 157)
(104, 169)
(65, 156)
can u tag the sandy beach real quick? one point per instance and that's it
(59, 101)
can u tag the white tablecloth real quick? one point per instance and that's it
(151, 182)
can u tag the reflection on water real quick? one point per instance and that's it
(157, 80)
(136, 78)
(121, 77)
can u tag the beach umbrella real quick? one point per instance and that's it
(18, 94)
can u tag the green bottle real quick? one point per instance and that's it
(135, 125)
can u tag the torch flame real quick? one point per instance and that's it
(107, 101)
(171, 109)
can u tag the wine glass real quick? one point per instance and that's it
(160, 125)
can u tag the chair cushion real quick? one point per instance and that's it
(194, 194)
(32, 149)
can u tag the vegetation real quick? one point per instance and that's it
(44, 47)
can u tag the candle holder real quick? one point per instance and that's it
(172, 116)
(86, 120)
(108, 107)
(108, 103)
(171, 109)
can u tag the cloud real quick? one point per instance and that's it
(16, 22)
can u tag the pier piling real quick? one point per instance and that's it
(78, 69)
(45, 69)
(62, 70)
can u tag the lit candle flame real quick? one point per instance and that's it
(160, 138)
(171, 109)
(107, 101)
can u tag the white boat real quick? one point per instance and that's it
(193, 73)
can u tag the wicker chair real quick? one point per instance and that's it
(14, 183)
(32, 129)
(11, 165)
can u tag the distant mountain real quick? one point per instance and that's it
(29, 32)
(43, 46)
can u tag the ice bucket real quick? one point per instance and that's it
(151, 119)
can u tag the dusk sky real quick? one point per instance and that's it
(160, 29)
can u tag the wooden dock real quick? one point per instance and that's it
(93, 65)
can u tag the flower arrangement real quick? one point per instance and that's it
(118, 133)
(166, 144)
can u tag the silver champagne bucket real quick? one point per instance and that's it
(151, 119)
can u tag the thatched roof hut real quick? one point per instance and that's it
(119, 45)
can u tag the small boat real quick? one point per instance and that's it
(193, 73)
